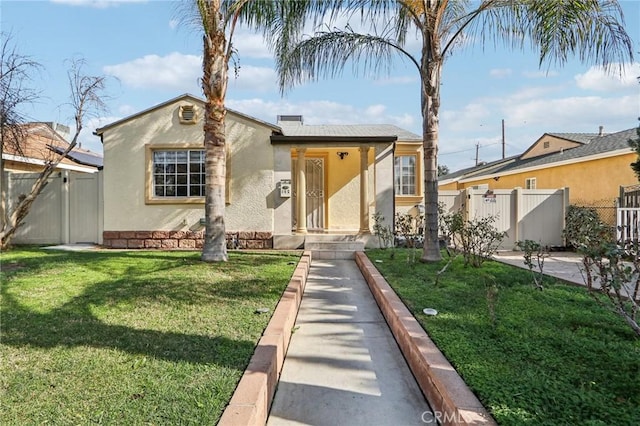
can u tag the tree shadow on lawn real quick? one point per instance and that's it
(74, 323)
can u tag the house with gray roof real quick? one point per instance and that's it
(592, 165)
(285, 181)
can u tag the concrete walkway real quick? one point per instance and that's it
(564, 265)
(343, 366)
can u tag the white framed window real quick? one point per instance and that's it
(405, 175)
(178, 173)
(530, 183)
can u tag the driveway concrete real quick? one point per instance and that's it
(564, 265)
(343, 366)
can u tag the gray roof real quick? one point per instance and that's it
(347, 130)
(595, 146)
(575, 137)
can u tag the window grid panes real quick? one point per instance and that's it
(405, 175)
(178, 173)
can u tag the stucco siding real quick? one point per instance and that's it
(125, 168)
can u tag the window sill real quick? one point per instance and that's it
(408, 200)
(175, 200)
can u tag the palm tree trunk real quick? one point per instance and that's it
(214, 84)
(430, 99)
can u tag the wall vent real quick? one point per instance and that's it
(188, 114)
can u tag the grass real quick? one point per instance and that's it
(129, 337)
(551, 357)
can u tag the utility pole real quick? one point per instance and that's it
(477, 149)
(503, 140)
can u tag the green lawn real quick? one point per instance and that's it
(551, 357)
(129, 337)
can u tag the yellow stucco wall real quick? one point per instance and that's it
(251, 167)
(589, 182)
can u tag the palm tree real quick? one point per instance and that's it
(218, 19)
(217, 22)
(592, 30)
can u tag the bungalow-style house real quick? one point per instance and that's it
(335, 177)
(593, 166)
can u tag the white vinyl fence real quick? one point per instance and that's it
(628, 224)
(524, 214)
(69, 209)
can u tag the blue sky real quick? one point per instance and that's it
(152, 59)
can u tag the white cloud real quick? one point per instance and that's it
(100, 4)
(250, 78)
(250, 45)
(321, 112)
(598, 79)
(500, 72)
(574, 114)
(174, 71)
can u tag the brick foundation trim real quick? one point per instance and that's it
(183, 240)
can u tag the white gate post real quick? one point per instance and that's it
(66, 214)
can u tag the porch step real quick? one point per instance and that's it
(333, 246)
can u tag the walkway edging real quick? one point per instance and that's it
(252, 398)
(450, 398)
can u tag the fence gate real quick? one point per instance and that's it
(69, 209)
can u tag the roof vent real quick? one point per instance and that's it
(290, 118)
(187, 114)
(600, 130)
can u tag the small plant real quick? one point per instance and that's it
(384, 233)
(531, 248)
(478, 239)
(409, 233)
(492, 302)
(449, 224)
(611, 268)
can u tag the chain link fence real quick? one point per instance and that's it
(605, 209)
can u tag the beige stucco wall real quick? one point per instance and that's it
(251, 169)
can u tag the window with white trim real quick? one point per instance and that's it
(178, 173)
(405, 175)
(530, 183)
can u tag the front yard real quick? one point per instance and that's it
(551, 357)
(129, 337)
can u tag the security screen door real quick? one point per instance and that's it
(314, 171)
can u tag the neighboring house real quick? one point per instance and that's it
(593, 167)
(334, 176)
(43, 143)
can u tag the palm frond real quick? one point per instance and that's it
(591, 30)
(326, 54)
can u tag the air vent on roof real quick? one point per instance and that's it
(290, 118)
(187, 114)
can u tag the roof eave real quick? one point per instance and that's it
(319, 140)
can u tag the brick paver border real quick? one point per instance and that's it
(450, 398)
(252, 398)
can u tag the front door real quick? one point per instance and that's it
(314, 171)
